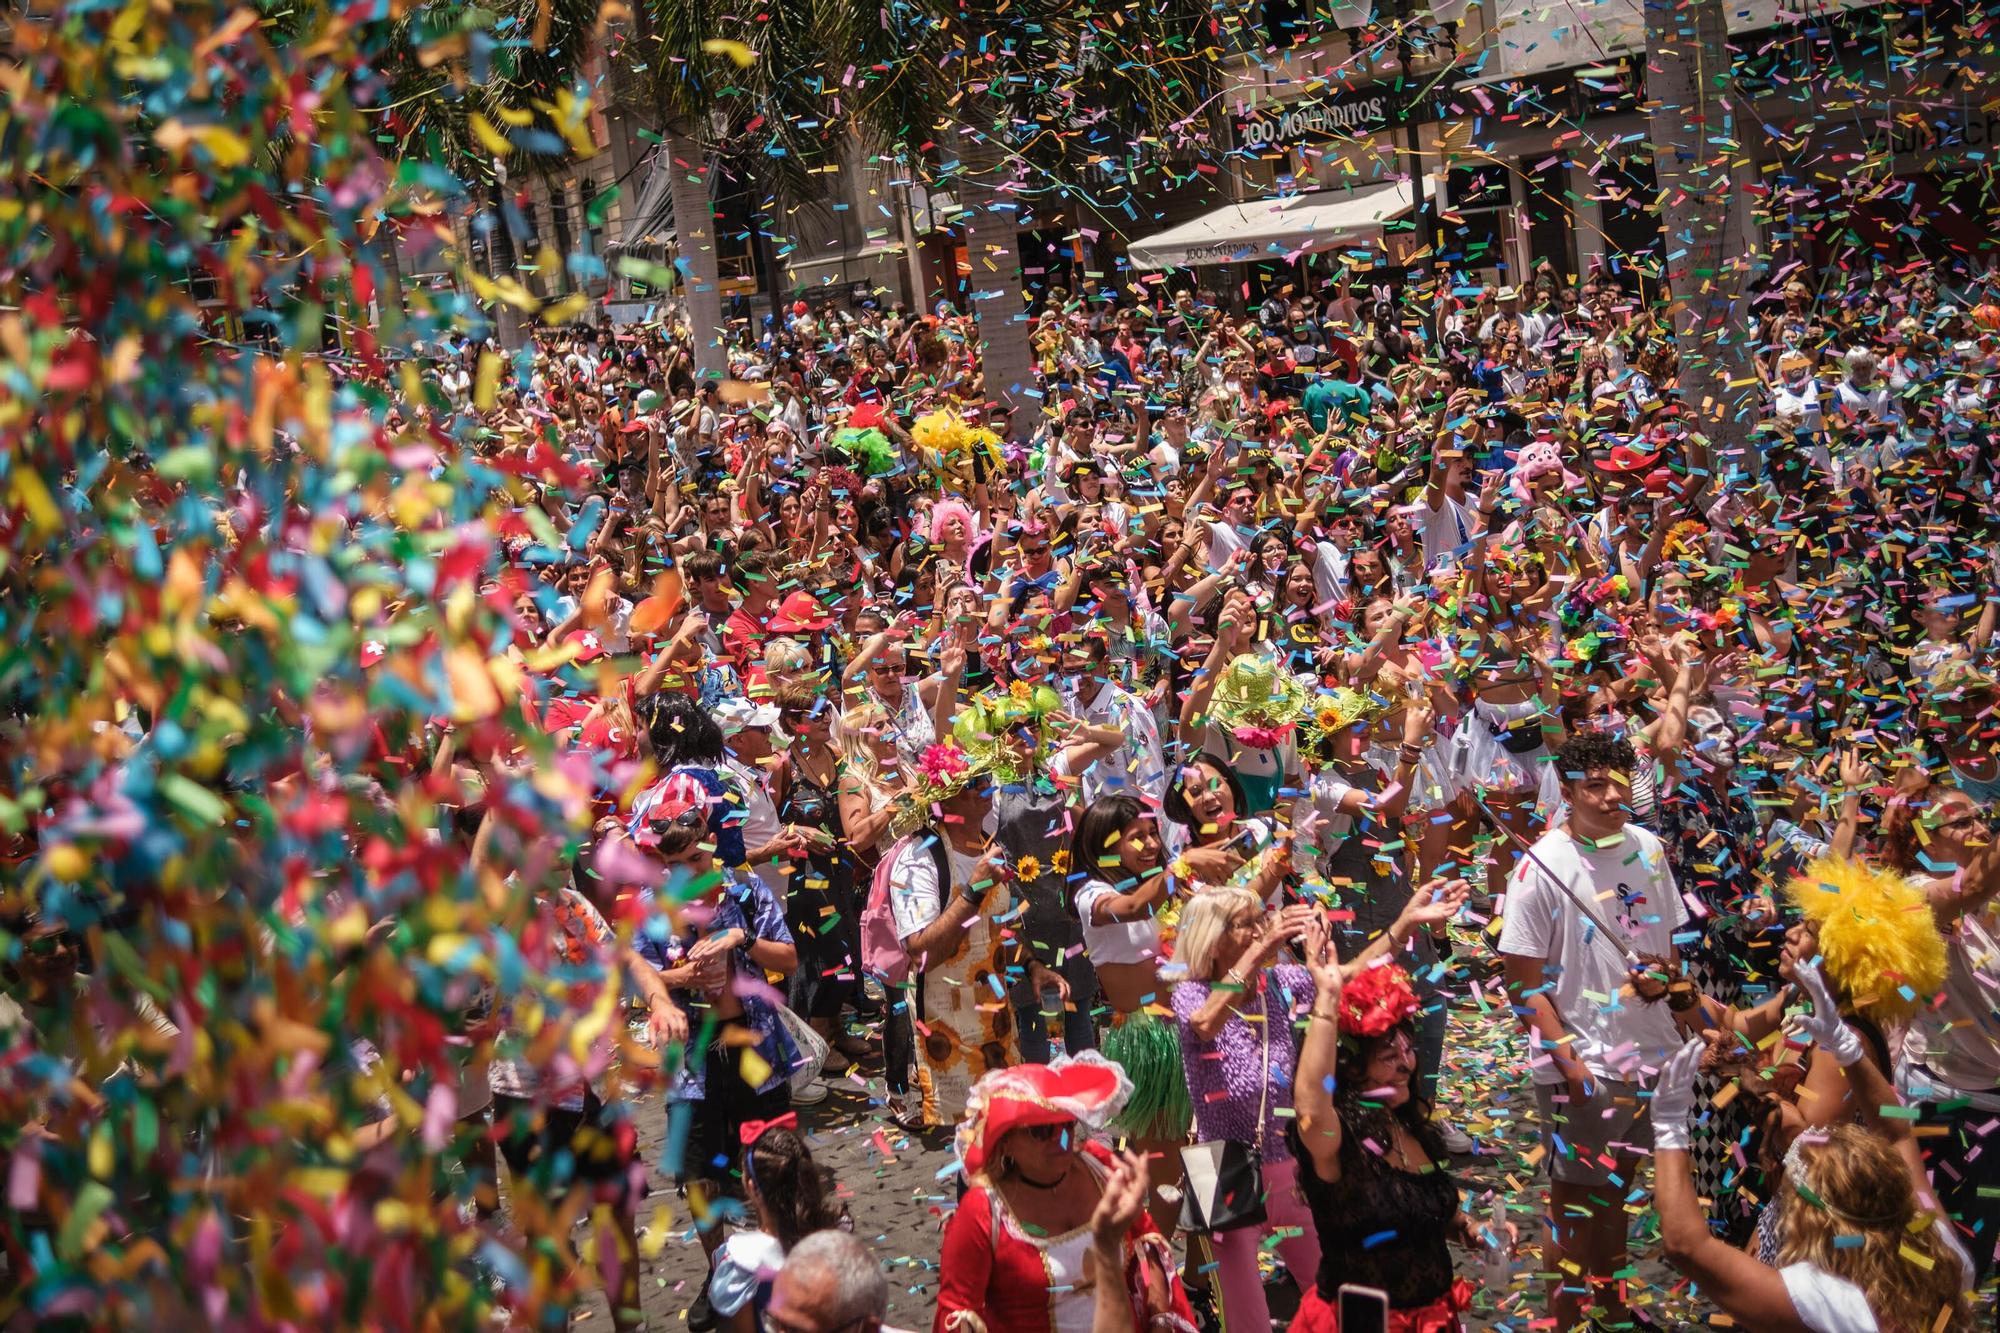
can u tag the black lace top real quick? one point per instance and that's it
(1378, 1226)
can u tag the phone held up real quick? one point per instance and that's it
(1363, 1310)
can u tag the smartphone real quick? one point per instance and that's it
(1363, 1310)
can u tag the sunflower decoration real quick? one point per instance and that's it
(1333, 712)
(1257, 703)
(1029, 869)
(1059, 862)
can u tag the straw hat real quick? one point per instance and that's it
(1256, 702)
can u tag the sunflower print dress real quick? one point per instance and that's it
(963, 1018)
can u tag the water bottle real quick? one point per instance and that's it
(1499, 1269)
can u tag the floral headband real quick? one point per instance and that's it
(1379, 999)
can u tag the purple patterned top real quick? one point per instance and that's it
(1224, 1076)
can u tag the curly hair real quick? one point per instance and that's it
(1860, 1188)
(1583, 751)
(1917, 796)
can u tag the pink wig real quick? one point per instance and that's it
(945, 509)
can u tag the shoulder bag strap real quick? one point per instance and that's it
(1264, 1083)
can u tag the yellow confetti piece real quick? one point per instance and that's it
(472, 693)
(34, 496)
(490, 138)
(1917, 1257)
(736, 51)
(755, 1069)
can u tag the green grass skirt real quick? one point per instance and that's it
(1150, 1051)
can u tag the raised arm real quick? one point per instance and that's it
(1312, 1086)
(1752, 1294)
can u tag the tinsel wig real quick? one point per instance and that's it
(1878, 940)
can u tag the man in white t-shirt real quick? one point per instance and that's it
(1445, 523)
(1591, 912)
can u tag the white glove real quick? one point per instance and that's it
(1823, 1025)
(1673, 1096)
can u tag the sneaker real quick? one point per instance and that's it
(812, 1094)
(1456, 1141)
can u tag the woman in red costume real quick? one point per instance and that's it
(1017, 1253)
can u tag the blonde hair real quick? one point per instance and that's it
(1204, 921)
(855, 740)
(1860, 1187)
(787, 658)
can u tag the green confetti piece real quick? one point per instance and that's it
(91, 1201)
(194, 800)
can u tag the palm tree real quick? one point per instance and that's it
(1016, 106)
(457, 91)
(1072, 105)
(1710, 240)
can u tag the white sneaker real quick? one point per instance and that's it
(1456, 1141)
(811, 1095)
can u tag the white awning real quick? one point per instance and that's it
(1273, 228)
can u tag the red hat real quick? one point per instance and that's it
(589, 647)
(800, 613)
(1086, 1089)
(566, 712)
(372, 652)
(605, 732)
(1624, 458)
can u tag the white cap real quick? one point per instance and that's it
(740, 714)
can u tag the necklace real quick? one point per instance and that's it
(1034, 1184)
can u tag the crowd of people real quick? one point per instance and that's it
(1131, 783)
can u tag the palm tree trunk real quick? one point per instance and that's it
(501, 263)
(694, 242)
(389, 280)
(1710, 243)
(993, 246)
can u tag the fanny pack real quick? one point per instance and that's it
(1524, 737)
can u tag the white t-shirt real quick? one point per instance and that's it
(1443, 530)
(760, 820)
(746, 1261)
(1135, 941)
(1957, 1043)
(1628, 884)
(1825, 1303)
(1223, 541)
(1329, 572)
(915, 896)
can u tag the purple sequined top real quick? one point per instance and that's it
(1226, 1076)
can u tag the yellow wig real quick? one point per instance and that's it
(1876, 935)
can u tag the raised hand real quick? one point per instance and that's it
(1824, 1024)
(1673, 1095)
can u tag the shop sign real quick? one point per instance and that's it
(1360, 112)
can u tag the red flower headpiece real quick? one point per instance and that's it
(1377, 1000)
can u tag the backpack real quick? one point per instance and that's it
(882, 953)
